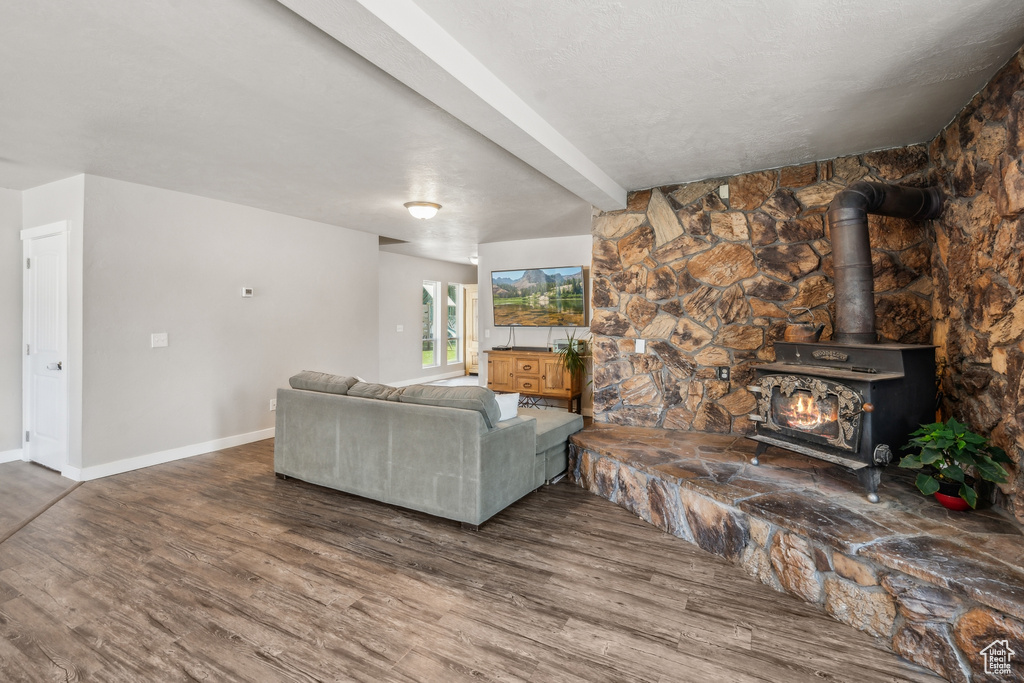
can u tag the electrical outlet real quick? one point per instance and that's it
(723, 373)
(399, 328)
(158, 340)
(273, 404)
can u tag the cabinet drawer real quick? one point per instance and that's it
(528, 366)
(528, 384)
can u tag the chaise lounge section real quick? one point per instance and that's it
(444, 451)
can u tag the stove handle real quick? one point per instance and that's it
(753, 388)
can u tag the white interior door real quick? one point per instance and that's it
(45, 384)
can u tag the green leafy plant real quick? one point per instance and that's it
(947, 449)
(574, 355)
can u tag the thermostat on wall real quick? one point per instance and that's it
(246, 292)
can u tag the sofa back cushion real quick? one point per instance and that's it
(381, 392)
(321, 381)
(480, 399)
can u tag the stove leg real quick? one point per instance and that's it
(869, 478)
(758, 452)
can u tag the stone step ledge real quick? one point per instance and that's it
(938, 587)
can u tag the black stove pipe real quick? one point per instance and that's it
(851, 250)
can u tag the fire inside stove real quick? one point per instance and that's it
(804, 413)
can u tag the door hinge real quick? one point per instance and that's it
(28, 263)
(27, 436)
(28, 349)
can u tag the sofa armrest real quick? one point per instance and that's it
(508, 465)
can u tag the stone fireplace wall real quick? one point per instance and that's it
(708, 281)
(979, 266)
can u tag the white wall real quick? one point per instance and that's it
(401, 303)
(10, 327)
(540, 253)
(64, 200)
(161, 261)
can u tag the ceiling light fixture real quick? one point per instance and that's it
(474, 260)
(422, 209)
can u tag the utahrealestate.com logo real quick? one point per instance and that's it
(997, 658)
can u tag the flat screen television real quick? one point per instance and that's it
(540, 297)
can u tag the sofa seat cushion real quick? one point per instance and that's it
(480, 399)
(554, 427)
(321, 381)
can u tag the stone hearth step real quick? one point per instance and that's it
(938, 586)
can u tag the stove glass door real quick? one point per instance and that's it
(811, 409)
(805, 413)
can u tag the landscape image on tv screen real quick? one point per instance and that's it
(539, 297)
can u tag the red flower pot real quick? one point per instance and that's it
(952, 502)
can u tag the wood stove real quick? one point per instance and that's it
(854, 405)
(853, 402)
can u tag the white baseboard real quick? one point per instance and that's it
(161, 457)
(11, 456)
(426, 380)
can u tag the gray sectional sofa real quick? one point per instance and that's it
(440, 450)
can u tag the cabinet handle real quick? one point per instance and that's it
(527, 385)
(527, 367)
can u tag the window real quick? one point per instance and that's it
(430, 336)
(454, 323)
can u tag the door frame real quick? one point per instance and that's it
(27, 235)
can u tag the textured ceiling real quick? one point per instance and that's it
(662, 91)
(567, 103)
(243, 101)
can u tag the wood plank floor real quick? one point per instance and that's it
(211, 569)
(25, 488)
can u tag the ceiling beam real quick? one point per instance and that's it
(400, 38)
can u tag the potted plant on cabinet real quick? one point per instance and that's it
(574, 356)
(947, 449)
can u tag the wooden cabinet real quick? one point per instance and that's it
(533, 373)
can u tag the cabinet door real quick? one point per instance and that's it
(554, 378)
(499, 373)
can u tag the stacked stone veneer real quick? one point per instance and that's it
(936, 626)
(979, 273)
(709, 281)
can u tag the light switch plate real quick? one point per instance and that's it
(399, 328)
(641, 346)
(158, 340)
